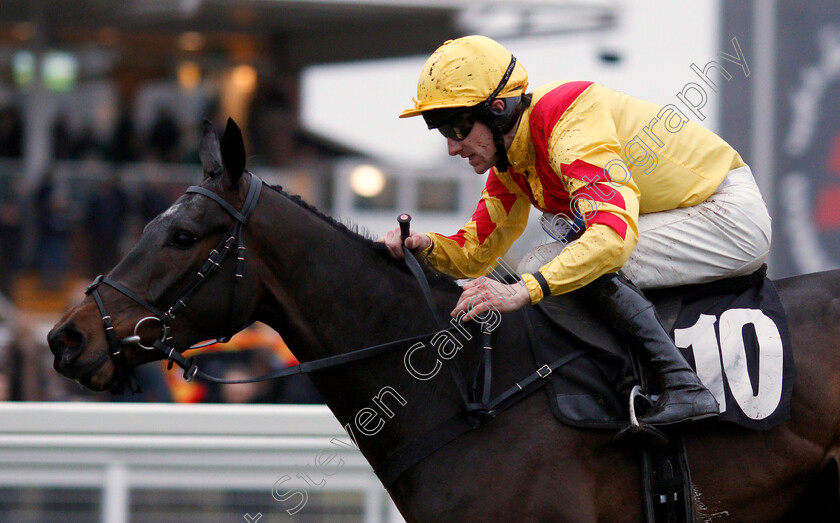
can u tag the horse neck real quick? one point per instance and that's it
(332, 292)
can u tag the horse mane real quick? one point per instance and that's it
(436, 279)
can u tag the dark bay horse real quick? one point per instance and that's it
(329, 291)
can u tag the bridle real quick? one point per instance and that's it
(124, 373)
(164, 317)
(475, 411)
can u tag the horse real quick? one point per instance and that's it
(329, 291)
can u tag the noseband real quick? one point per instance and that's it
(124, 374)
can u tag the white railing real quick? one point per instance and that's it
(285, 453)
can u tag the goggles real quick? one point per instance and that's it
(458, 127)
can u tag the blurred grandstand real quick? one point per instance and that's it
(100, 105)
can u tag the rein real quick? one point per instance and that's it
(474, 414)
(189, 365)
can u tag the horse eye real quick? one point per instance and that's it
(183, 240)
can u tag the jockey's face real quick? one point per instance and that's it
(477, 147)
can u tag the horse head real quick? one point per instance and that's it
(185, 257)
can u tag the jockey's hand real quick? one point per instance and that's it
(478, 296)
(416, 242)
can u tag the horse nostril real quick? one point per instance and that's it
(66, 343)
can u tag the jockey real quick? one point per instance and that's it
(664, 201)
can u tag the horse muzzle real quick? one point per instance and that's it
(68, 344)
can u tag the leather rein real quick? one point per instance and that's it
(164, 317)
(477, 402)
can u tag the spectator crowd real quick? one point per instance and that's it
(80, 224)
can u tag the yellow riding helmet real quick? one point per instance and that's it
(465, 72)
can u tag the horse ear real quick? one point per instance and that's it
(233, 152)
(209, 151)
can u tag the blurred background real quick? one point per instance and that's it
(101, 103)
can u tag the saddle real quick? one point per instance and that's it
(733, 333)
(734, 329)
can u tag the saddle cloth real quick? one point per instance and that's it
(733, 333)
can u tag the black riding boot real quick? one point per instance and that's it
(682, 396)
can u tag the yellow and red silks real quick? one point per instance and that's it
(586, 148)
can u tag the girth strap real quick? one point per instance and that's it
(484, 370)
(430, 441)
(424, 445)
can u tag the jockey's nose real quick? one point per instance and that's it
(454, 146)
(66, 343)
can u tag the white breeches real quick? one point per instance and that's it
(726, 235)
